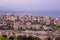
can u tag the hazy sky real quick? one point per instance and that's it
(31, 5)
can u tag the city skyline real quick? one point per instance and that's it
(29, 19)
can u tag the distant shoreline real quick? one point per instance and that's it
(47, 13)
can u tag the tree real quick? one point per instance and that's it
(11, 38)
(19, 37)
(30, 38)
(4, 36)
(30, 28)
(55, 27)
(21, 29)
(49, 38)
(0, 37)
(41, 28)
(58, 38)
(24, 38)
(34, 29)
(36, 38)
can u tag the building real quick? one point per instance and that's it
(36, 26)
(47, 20)
(17, 25)
(57, 21)
(11, 17)
(28, 24)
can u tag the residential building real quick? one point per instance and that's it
(57, 21)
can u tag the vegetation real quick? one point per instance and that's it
(3, 38)
(10, 28)
(19, 38)
(27, 38)
(58, 38)
(21, 29)
(55, 27)
(33, 29)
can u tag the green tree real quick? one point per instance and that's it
(19, 37)
(3, 38)
(36, 38)
(21, 29)
(0, 37)
(55, 27)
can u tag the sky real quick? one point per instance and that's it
(30, 5)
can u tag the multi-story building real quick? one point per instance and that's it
(21, 17)
(2, 22)
(38, 19)
(41, 20)
(26, 21)
(57, 21)
(43, 35)
(11, 17)
(17, 25)
(47, 20)
(36, 26)
(28, 24)
(34, 18)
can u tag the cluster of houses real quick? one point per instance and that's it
(43, 35)
(13, 33)
(17, 21)
(26, 21)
